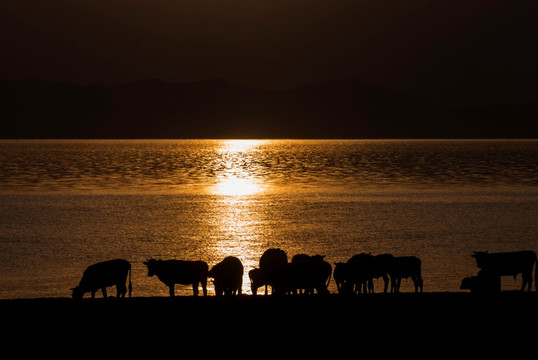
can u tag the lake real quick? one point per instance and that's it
(66, 204)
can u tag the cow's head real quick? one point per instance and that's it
(77, 293)
(480, 257)
(151, 266)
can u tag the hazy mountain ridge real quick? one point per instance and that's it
(219, 109)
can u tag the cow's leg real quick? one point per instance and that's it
(93, 294)
(103, 290)
(171, 289)
(203, 281)
(121, 290)
(392, 283)
(526, 279)
(386, 280)
(397, 286)
(195, 288)
(415, 282)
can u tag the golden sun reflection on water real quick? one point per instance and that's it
(238, 228)
(236, 176)
(235, 186)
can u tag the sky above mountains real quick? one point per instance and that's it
(468, 52)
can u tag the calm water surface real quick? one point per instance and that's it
(68, 204)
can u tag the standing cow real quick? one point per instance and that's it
(228, 276)
(172, 272)
(508, 263)
(104, 274)
(404, 267)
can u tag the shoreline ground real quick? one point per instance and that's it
(429, 325)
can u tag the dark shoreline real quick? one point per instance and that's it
(429, 325)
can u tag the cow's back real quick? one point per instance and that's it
(106, 273)
(272, 258)
(405, 266)
(508, 263)
(181, 271)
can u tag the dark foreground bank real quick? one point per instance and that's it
(431, 325)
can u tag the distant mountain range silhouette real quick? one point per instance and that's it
(219, 109)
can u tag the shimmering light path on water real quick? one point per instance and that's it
(68, 204)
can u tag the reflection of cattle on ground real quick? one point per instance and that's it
(270, 259)
(227, 276)
(508, 263)
(357, 274)
(172, 272)
(309, 275)
(484, 283)
(104, 274)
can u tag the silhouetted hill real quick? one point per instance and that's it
(219, 109)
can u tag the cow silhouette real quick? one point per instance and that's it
(270, 259)
(301, 258)
(290, 277)
(484, 283)
(102, 275)
(228, 276)
(403, 267)
(508, 263)
(184, 272)
(357, 274)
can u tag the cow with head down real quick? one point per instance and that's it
(290, 277)
(101, 275)
(270, 259)
(227, 276)
(357, 274)
(403, 267)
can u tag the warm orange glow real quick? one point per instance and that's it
(236, 177)
(234, 186)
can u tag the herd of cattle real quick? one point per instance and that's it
(304, 274)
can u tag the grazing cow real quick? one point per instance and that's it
(104, 274)
(380, 266)
(304, 258)
(270, 259)
(290, 277)
(404, 267)
(341, 277)
(228, 276)
(359, 272)
(484, 283)
(172, 272)
(508, 263)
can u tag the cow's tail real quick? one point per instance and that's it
(535, 276)
(130, 284)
